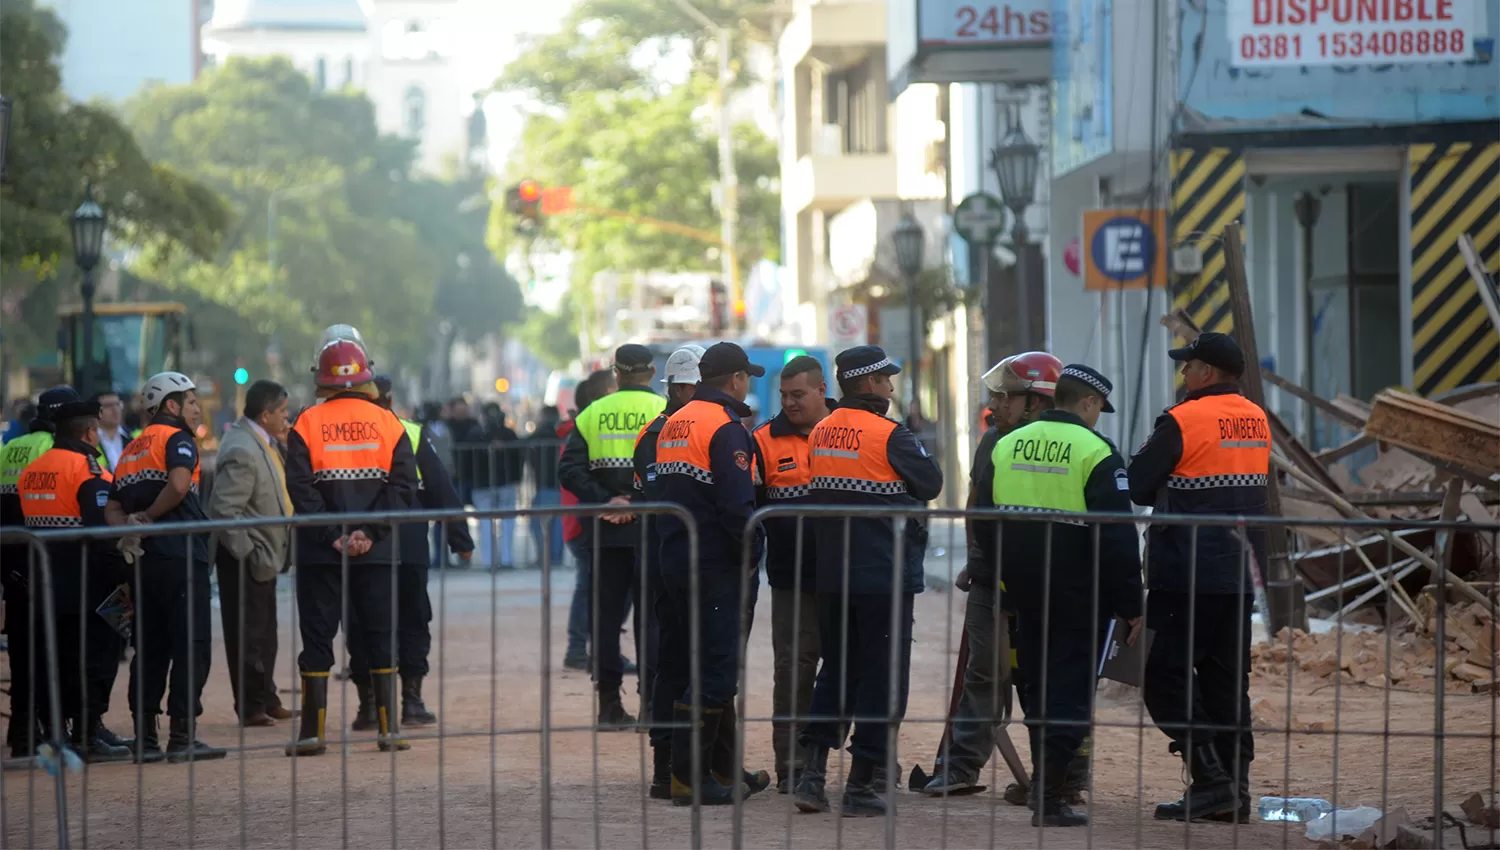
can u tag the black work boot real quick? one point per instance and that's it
(364, 719)
(1242, 783)
(1211, 793)
(310, 739)
(146, 748)
(723, 763)
(105, 734)
(612, 713)
(413, 710)
(385, 712)
(710, 792)
(96, 748)
(183, 746)
(861, 798)
(1050, 806)
(661, 772)
(811, 793)
(1076, 778)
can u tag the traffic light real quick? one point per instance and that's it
(242, 376)
(502, 385)
(524, 201)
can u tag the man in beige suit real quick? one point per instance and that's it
(250, 482)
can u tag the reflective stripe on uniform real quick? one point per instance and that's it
(1226, 442)
(795, 491)
(611, 463)
(683, 447)
(1045, 466)
(847, 453)
(145, 458)
(350, 439)
(49, 488)
(858, 485)
(611, 426)
(1210, 482)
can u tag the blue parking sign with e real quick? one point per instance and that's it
(1122, 248)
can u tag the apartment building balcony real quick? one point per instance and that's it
(834, 33)
(830, 178)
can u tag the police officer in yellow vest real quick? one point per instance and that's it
(435, 491)
(597, 466)
(1055, 580)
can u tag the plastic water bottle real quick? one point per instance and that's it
(1296, 809)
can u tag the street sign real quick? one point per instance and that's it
(979, 218)
(1124, 249)
(848, 326)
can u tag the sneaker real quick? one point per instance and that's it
(576, 662)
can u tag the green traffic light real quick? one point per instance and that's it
(793, 354)
(242, 376)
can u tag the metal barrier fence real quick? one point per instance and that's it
(517, 753)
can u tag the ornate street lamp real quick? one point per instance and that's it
(89, 223)
(1015, 162)
(910, 241)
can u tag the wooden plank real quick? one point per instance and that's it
(1278, 568)
(1376, 498)
(1298, 453)
(1488, 293)
(1338, 453)
(1459, 395)
(1317, 401)
(1433, 429)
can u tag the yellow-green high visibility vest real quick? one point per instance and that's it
(610, 425)
(1045, 466)
(17, 455)
(414, 433)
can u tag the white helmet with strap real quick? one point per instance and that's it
(161, 385)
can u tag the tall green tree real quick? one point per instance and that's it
(55, 148)
(636, 145)
(358, 238)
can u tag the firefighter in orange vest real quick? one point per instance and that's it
(1210, 454)
(786, 479)
(347, 455)
(704, 463)
(66, 488)
(860, 458)
(156, 481)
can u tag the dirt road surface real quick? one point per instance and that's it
(481, 783)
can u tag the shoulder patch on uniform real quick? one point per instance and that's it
(184, 449)
(1122, 479)
(922, 448)
(742, 460)
(101, 498)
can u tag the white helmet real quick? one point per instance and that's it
(163, 384)
(334, 333)
(682, 366)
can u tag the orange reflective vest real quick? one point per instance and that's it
(1226, 442)
(847, 452)
(145, 457)
(787, 467)
(682, 448)
(350, 439)
(49, 488)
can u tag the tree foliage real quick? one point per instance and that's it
(357, 237)
(604, 122)
(55, 147)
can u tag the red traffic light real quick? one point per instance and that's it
(530, 191)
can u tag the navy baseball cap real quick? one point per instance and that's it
(632, 357)
(1217, 350)
(726, 358)
(64, 402)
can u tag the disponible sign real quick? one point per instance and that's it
(959, 22)
(1267, 33)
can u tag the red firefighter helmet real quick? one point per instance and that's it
(343, 363)
(1031, 372)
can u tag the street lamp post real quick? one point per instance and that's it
(1015, 162)
(910, 241)
(89, 222)
(4, 131)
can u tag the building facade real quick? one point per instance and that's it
(398, 51)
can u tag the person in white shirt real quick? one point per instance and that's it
(112, 436)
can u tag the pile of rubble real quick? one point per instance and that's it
(1401, 657)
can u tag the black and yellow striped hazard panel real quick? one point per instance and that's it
(1455, 189)
(1208, 192)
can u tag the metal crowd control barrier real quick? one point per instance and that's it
(568, 793)
(510, 475)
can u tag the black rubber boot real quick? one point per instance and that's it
(811, 792)
(1211, 793)
(1054, 808)
(723, 764)
(661, 772)
(612, 713)
(183, 746)
(861, 798)
(146, 748)
(364, 719)
(413, 710)
(95, 747)
(710, 792)
(310, 740)
(385, 712)
(1242, 785)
